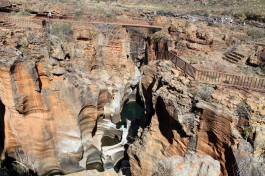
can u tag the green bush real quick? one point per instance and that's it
(255, 33)
(246, 133)
(63, 31)
(159, 35)
(240, 15)
(78, 13)
(251, 16)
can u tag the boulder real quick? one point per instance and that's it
(172, 30)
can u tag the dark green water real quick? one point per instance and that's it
(132, 111)
(96, 166)
(108, 141)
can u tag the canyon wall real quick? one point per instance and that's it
(60, 94)
(185, 117)
(62, 88)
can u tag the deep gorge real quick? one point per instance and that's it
(95, 99)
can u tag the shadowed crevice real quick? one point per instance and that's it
(230, 164)
(167, 123)
(2, 126)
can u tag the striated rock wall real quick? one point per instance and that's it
(186, 117)
(62, 96)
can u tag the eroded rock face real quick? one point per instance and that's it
(163, 137)
(61, 98)
(257, 58)
(190, 38)
(187, 117)
(246, 164)
(4, 4)
(189, 165)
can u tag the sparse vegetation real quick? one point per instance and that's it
(20, 13)
(22, 46)
(101, 11)
(159, 35)
(64, 31)
(250, 15)
(78, 13)
(240, 15)
(251, 9)
(33, 38)
(256, 33)
(246, 133)
(243, 112)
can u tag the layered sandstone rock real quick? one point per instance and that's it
(257, 58)
(192, 165)
(61, 98)
(187, 35)
(187, 117)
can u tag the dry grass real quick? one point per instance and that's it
(251, 9)
(63, 31)
(240, 9)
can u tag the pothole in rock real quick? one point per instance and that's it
(117, 137)
(132, 111)
(109, 141)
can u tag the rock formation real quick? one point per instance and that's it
(63, 86)
(187, 117)
(61, 97)
(5, 5)
(188, 165)
(257, 58)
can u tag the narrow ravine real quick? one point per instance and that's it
(2, 126)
